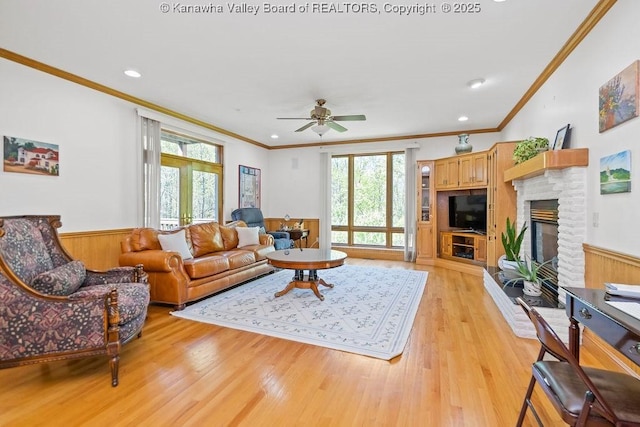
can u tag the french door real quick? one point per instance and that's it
(190, 191)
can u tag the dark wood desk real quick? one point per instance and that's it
(589, 307)
(297, 235)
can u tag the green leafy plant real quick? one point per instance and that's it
(512, 242)
(526, 270)
(529, 148)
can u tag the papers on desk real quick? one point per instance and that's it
(629, 291)
(632, 308)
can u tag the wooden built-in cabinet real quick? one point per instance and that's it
(464, 171)
(469, 247)
(425, 238)
(472, 173)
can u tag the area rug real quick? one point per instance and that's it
(369, 311)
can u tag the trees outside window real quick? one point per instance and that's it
(190, 182)
(368, 199)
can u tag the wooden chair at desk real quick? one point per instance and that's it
(582, 396)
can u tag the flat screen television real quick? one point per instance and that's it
(468, 212)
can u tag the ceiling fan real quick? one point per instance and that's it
(322, 120)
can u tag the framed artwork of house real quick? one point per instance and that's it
(249, 187)
(32, 157)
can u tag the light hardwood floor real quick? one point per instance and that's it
(462, 366)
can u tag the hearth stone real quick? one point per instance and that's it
(553, 312)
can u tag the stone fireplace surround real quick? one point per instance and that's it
(569, 187)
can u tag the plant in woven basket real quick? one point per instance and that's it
(529, 148)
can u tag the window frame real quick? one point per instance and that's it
(389, 229)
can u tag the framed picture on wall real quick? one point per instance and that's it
(32, 157)
(562, 138)
(619, 98)
(615, 173)
(249, 187)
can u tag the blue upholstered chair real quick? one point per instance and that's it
(253, 218)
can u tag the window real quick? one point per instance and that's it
(190, 180)
(368, 200)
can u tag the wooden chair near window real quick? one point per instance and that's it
(583, 396)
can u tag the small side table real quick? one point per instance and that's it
(298, 235)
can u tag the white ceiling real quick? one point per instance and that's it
(407, 74)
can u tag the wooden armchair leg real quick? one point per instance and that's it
(114, 363)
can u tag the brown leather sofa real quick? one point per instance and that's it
(217, 262)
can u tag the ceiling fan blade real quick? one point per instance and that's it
(350, 118)
(294, 118)
(336, 126)
(307, 126)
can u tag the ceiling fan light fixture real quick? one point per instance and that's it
(476, 83)
(320, 129)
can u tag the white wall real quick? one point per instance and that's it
(99, 183)
(571, 96)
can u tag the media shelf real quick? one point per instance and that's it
(463, 245)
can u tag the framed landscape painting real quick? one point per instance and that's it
(33, 157)
(615, 173)
(618, 98)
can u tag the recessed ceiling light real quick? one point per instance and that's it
(474, 84)
(463, 118)
(133, 73)
(274, 136)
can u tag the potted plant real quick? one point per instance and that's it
(529, 148)
(511, 244)
(527, 271)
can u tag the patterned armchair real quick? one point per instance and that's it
(52, 308)
(253, 218)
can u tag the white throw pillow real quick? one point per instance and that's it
(247, 236)
(175, 242)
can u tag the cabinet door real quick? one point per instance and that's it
(446, 243)
(479, 165)
(452, 172)
(466, 171)
(424, 243)
(480, 249)
(473, 170)
(441, 174)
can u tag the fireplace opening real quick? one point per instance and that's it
(544, 243)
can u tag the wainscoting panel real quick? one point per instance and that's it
(99, 250)
(603, 265)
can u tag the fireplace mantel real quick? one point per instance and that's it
(553, 159)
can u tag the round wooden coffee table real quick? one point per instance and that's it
(306, 259)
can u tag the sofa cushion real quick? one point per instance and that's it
(61, 281)
(247, 236)
(207, 265)
(239, 258)
(206, 238)
(175, 242)
(143, 239)
(230, 235)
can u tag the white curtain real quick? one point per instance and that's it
(150, 146)
(325, 206)
(410, 204)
